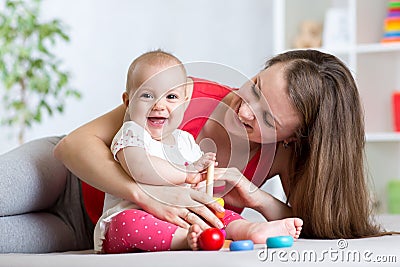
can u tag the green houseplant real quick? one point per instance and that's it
(31, 80)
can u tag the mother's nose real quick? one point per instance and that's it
(245, 112)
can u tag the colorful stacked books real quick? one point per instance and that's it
(392, 23)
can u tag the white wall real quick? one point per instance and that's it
(106, 35)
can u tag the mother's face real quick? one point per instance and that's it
(263, 111)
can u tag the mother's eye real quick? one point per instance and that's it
(255, 91)
(268, 119)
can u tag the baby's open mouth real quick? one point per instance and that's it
(157, 120)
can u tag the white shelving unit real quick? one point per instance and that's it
(375, 66)
(383, 137)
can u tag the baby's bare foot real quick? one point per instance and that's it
(297, 223)
(261, 231)
(193, 236)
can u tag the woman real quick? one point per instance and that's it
(312, 134)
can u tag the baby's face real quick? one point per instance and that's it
(158, 103)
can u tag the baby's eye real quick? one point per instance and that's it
(146, 95)
(172, 96)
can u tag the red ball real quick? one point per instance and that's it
(211, 239)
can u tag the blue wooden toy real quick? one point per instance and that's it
(280, 241)
(241, 245)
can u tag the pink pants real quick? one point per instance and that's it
(136, 230)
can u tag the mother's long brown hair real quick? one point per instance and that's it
(328, 189)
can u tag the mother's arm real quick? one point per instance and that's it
(86, 153)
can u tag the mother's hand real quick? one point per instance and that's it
(240, 192)
(180, 205)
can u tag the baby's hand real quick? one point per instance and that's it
(206, 160)
(195, 170)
